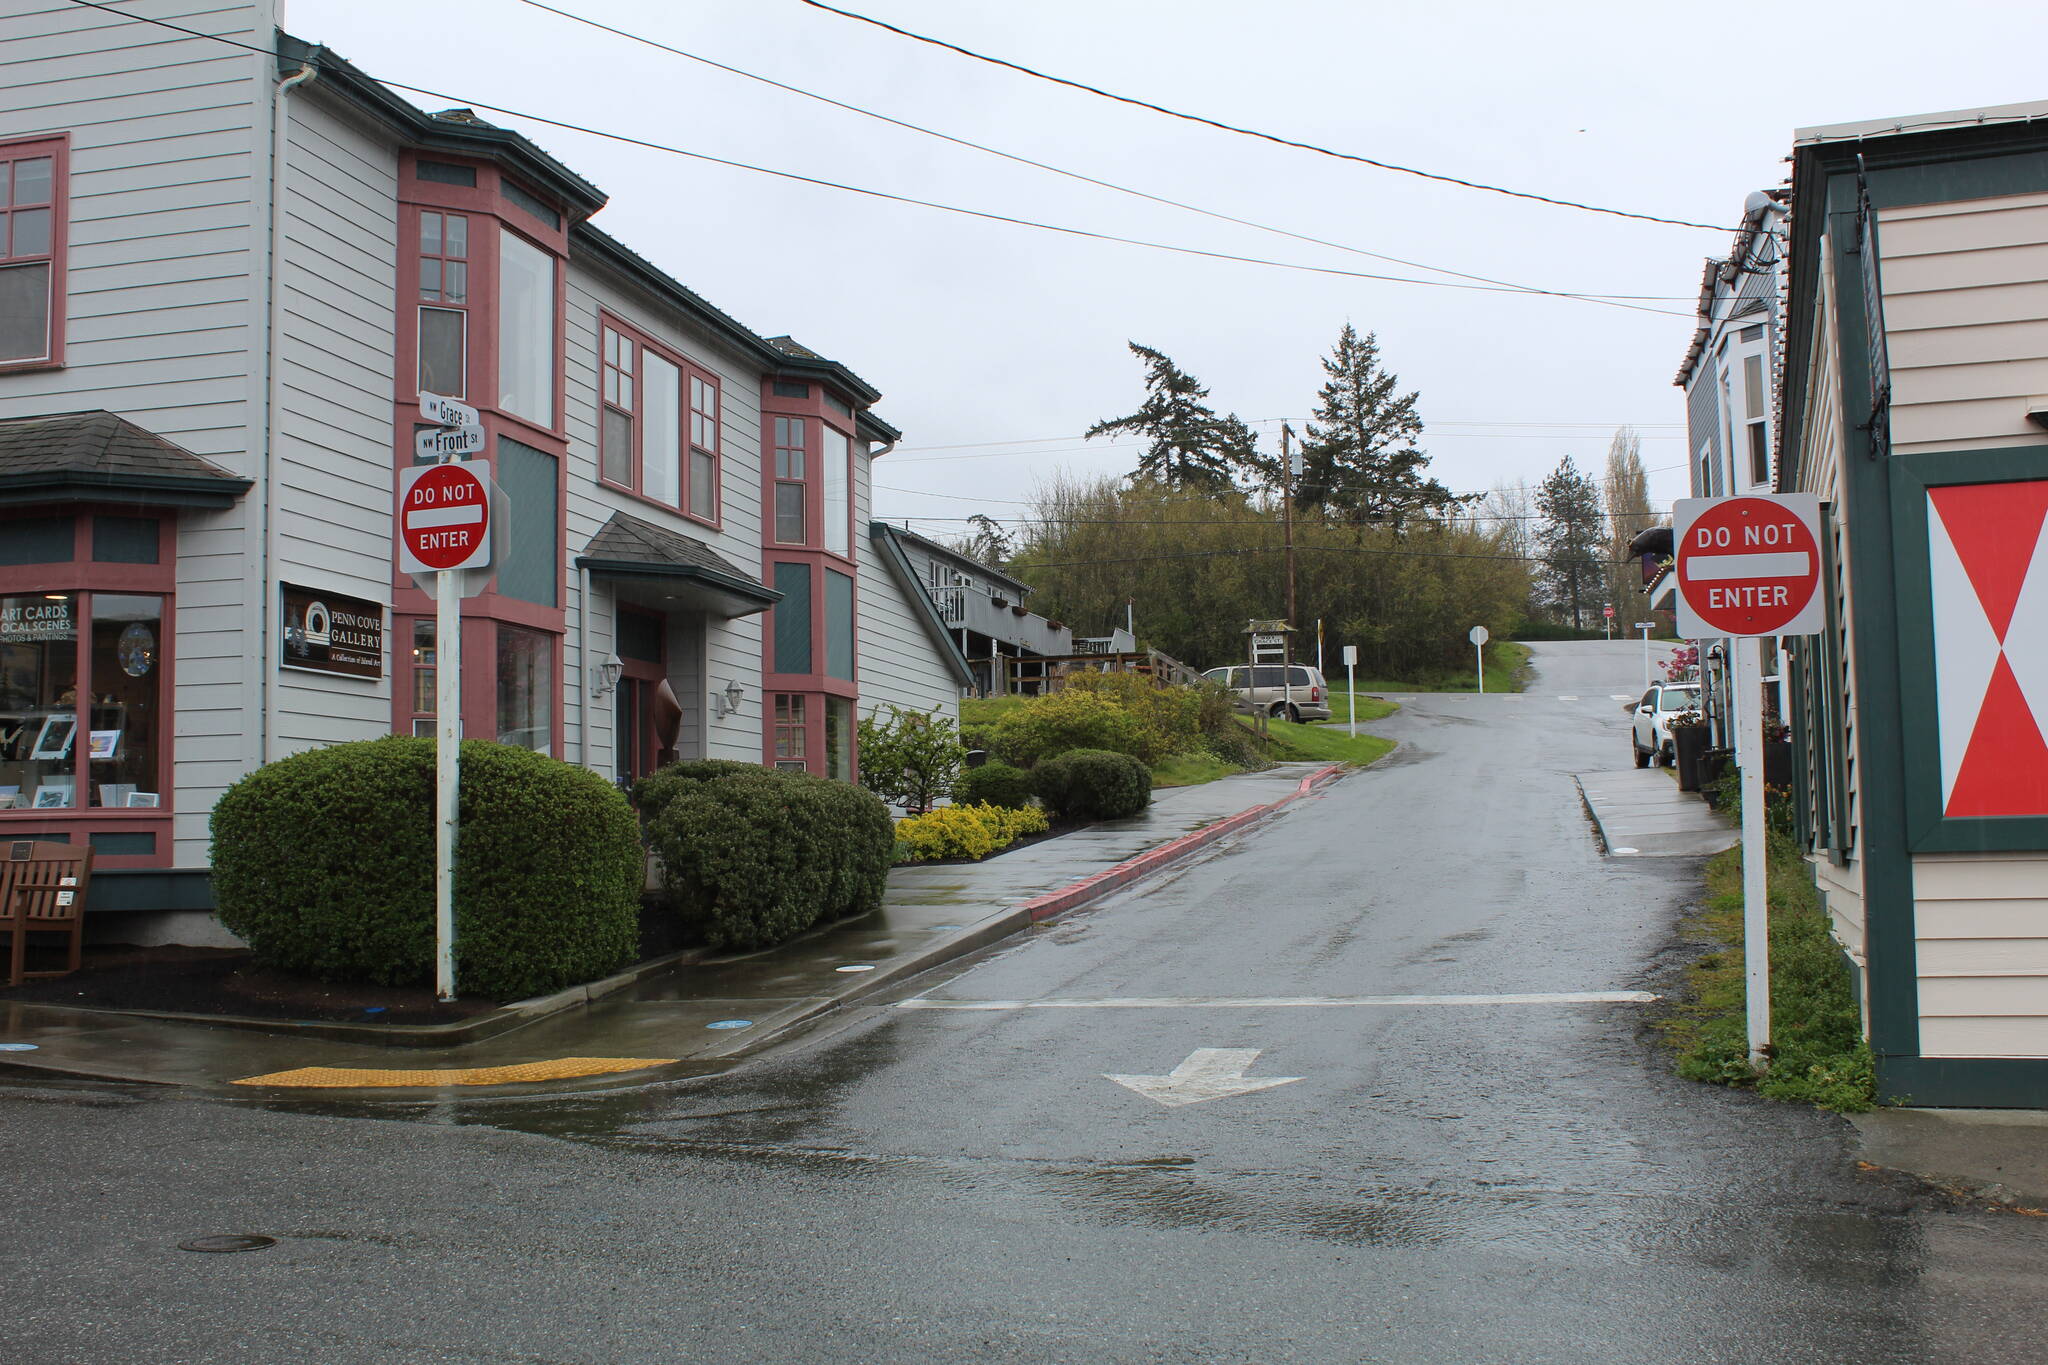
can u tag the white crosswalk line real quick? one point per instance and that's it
(1271, 1002)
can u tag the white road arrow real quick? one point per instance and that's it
(1209, 1073)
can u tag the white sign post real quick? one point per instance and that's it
(444, 528)
(1351, 684)
(1646, 627)
(1749, 567)
(1479, 635)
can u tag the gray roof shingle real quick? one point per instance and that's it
(78, 453)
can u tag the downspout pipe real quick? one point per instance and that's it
(583, 670)
(273, 409)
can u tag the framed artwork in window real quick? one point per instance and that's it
(103, 743)
(149, 799)
(54, 741)
(50, 796)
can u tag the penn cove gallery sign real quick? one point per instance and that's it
(330, 632)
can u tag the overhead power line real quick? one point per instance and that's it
(1263, 136)
(644, 40)
(884, 195)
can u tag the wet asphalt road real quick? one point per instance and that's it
(1445, 1183)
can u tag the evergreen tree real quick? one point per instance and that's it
(1360, 460)
(1572, 542)
(1190, 446)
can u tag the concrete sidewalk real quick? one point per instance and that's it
(1642, 814)
(697, 1016)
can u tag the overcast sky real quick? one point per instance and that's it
(996, 345)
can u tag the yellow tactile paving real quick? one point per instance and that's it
(339, 1077)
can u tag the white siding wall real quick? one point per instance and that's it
(900, 664)
(168, 253)
(1965, 298)
(335, 352)
(731, 649)
(1981, 930)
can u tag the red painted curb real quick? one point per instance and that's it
(1151, 860)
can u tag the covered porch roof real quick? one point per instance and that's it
(666, 571)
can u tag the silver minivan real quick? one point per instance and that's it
(1268, 688)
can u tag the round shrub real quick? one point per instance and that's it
(1069, 719)
(951, 832)
(323, 863)
(654, 791)
(753, 857)
(1094, 784)
(995, 784)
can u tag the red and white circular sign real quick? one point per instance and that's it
(444, 518)
(1748, 565)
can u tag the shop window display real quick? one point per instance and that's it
(68, 742)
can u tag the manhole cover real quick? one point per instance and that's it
(236, 1242)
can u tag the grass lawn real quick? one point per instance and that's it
(1819, 1055)
(1191, 770)
(1504, 661)
(1369, 708)
(1322, 743)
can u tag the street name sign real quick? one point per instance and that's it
(1748, 566)
(447, 412)
(447, 443)
(444, 518)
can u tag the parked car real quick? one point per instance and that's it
(1265, 687)
(1651, 716)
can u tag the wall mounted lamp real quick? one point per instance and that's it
(608, 674)
(727, 700)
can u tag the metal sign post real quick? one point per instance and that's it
(1479, 635)
(1749, 567)
(444, 528)
(1646, 627)
(1351, 685)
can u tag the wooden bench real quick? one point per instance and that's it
(42, 891)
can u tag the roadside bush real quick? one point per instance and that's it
(1094, 784)
(1069, 719)
(755, 856)
(1171, 715)
(996, 784)
(949, 832)
(652, 793)
(910, 759)
(968, 831)
(323, 863)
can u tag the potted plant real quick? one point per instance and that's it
(1690, 735)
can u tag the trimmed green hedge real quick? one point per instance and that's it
(1093, 784)
(995, 784)
(323, 863)
(751, 856)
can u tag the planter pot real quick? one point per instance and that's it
(1778, 763)
(1689, 743)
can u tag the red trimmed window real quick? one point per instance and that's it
(658, 434)
(792, 730)
(444, 303)
(32, 231)
(792, 488)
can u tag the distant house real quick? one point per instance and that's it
(1004, 642)
(1916, 366)
(1730, 378)
(231, 275)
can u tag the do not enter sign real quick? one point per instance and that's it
(1748, 565)
(444, 518)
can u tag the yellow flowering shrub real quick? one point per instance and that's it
(965, 831)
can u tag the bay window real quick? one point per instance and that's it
(526, 688)
(32, 232)
(792, 519)
(526, 330)
(82, 701)
(838, 477)
(444, 304)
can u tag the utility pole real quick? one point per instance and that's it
(1287, 509)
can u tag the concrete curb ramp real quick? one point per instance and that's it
(1641, 813)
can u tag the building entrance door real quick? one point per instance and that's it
(636, 746)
